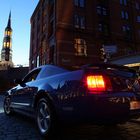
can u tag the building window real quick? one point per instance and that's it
(82, 3)
(104, 28)
(99, 11)
(8, 44)
(138, 18)
(37, 60)
(80, 47)
(124, 2)
(100, 28)
(79, 3)
(124, 15)
(51, 8)
(79, 21)
(125, 28)
(76, 21)
(127, 31)
(4, 44)
(50, 29)
(82, 22)
(102, 10)
(8, 33)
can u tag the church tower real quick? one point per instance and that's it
(6, 52)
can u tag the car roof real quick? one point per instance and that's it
(49, 70)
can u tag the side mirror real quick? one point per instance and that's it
(20, 82)
(17, 81)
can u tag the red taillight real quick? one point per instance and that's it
(98, 83)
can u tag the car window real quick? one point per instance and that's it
(31, 76)
(51, 70)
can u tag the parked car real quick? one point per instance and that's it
(97, 93)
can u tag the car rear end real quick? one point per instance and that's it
(112, 93)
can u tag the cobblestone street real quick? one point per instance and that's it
(18, 127)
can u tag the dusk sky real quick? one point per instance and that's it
(21, 11)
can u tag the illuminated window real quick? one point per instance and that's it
(8, 44)
(8, 33)
(4, 44)
(81, 47)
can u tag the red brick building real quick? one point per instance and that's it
(73, 32)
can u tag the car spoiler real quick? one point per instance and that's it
(108, 66)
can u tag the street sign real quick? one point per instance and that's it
(110, 48)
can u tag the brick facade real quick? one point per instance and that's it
(72, 33)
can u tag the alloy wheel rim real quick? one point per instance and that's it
(43, 117)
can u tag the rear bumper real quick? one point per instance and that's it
(114, 114)
(115, 107)
(101, 108)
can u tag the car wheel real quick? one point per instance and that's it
(45, 118)
(6, 106)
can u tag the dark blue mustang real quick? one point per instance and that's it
(99, 93)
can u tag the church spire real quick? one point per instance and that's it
(6, 52)
(9, 21)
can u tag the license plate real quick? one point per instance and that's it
(134, 105)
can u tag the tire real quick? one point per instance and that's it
(7, 107)
(45, 118)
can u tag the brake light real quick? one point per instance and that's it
(98, 83)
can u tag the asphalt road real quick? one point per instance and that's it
(18, 127)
